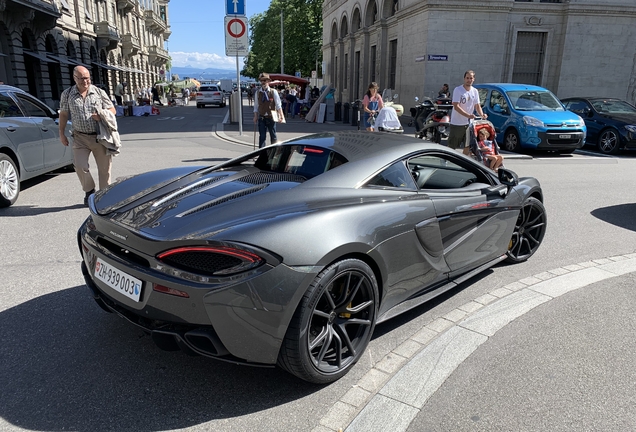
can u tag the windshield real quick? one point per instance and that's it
(302, 160)
(523, 100)
(613, 106)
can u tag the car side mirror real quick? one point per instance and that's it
(497, 108)
(588, 112)
(508, 178)
(416, 99)
(55, 114)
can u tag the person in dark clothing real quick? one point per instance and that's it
(155, 96)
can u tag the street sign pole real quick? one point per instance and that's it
(240, 96)
(236, 44)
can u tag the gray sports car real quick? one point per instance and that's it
(291, 254)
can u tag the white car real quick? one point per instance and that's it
(209, 94)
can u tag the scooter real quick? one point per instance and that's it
(420, 112)
(436, 125)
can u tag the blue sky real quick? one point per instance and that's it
(198, 34)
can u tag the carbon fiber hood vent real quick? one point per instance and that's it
(223, 199)
(200, 185)
(267, 177)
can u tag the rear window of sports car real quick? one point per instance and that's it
(306, 161)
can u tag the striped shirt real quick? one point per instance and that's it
(82, 109)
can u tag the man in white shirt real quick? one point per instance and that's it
(119, 92)
(465, 103)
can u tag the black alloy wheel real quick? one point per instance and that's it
(609, 142)
(511, 141)
(333, 323)
(529, 231)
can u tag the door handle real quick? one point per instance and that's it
(45, 130)
(11, 128)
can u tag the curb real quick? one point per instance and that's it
(392, 393)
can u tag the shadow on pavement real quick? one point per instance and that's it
(67, 365)
(20, 211)
(621, 215)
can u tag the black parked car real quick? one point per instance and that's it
(611, 123)
(291, 254)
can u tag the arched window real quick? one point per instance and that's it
(355, 23)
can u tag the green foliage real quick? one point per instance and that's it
(302, 29)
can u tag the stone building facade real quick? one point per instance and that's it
(572, 47)
(41, 41)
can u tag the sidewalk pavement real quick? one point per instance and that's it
(538, 354)
(296, 127)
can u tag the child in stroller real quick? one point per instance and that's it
(483, 149)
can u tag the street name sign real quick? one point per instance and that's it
(236, 41)
(234, 7)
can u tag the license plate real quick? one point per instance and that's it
(121, 282)
(565, 136)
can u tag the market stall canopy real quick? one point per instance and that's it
(277, 83)
(291, 78)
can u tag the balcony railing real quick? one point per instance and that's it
(158, 54)
(126, 5)
(105, 30)
(154, 22)
(130, 44)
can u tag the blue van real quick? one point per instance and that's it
(528, 116)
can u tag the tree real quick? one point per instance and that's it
(302, 29)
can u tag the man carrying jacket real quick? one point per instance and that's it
(83, 101)
(266, 100)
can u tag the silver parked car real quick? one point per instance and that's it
(29, 141)
(210, 94)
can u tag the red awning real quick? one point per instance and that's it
(291, 78)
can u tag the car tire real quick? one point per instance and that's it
(333, 323)
(609, 142)
(511, 141)
(222, 104)
(198, 105)
(9, 181)
(529, 231)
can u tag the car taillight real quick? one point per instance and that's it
(170, 291)
(216, 94)
(211, 261)
(199, 94)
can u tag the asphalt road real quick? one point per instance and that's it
(67, 365)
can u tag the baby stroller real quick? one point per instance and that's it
(473, 129)
(387, 121)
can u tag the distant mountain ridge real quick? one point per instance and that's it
(206, 74)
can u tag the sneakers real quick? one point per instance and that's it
(89, 193)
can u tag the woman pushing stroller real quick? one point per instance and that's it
(372, 104)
